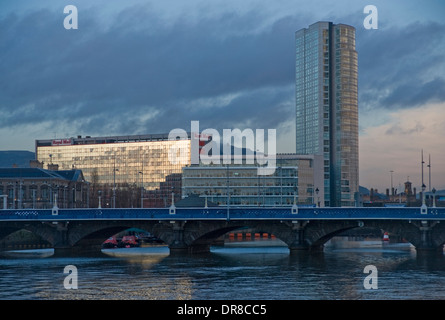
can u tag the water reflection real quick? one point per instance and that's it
(245, 272)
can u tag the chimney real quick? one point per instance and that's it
(35, 164)
(53, 167)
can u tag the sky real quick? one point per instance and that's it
(140, 67)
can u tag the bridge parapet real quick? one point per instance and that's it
(221, 213)
(196, 228)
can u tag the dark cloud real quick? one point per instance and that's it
(109, 78)
(401, 67)
(139, 74)
(416, 93)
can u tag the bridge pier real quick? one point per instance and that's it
(179, 246)
(298, 243)
(428, 243)
(63, 247)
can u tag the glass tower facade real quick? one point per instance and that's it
(327, 106)
(137, 160)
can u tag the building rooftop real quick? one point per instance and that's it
(79, 140)
(38, 173)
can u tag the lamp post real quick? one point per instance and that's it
(423, 208)
(392, 188)
(65, 200)
(5, 201)
(142, 188)
(99, 193)
(33, 198)
(434, 197)
(114, 187)
(318, 198)
(281, 186)
(228, 194)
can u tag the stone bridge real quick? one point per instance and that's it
(195, 231)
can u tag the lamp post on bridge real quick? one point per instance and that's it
(423, 208)
(434, 197)
(100, 205)
(142, 188)
(318, 198)
(114, 187)
(5, 201)
(228, 194)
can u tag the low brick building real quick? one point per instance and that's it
(37, 188)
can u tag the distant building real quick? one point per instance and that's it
(36, 188)
(296, 177)
(162, 196)
(402, 196)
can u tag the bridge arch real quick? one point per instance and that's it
(39, 230)
(305, 230)
(92, 234)
(199, 236)
(425, 236)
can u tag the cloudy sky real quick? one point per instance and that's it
(137, 67)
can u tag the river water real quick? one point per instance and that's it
(238, 271)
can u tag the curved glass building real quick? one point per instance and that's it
(327, 106)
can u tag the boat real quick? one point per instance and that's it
(128, 242)
(111, 242)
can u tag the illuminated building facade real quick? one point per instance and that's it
(112, 164)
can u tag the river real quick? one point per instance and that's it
(238, 271)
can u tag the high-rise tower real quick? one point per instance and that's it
(327, 106)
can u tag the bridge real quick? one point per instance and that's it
(193, 230)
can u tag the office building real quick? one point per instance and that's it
(121, 167)
(296, 178)
(327, 106)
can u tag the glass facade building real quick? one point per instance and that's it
(116, 162)
(295, 178)
(327, 106)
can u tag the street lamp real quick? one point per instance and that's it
(423, 208)
(114, 187)
(5, 201)
(228, 195)
(318, 198)
(434, 197)
(99, 193)
(281, 186)
(392, 188)
(142, 188)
